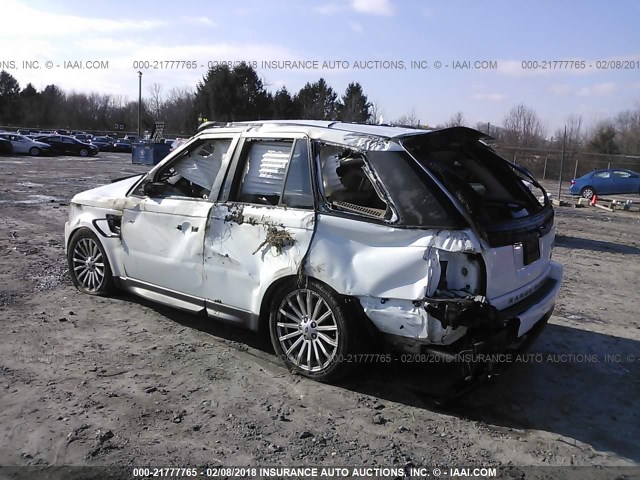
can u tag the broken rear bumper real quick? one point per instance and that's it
(453, 325)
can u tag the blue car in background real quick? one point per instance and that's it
(613, 181)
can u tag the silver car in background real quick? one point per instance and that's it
(22, 144)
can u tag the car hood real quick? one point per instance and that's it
(111, 196)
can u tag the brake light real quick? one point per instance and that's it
(573, 182)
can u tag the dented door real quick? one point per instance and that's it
(261, 229)
(247, 248)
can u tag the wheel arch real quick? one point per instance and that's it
(113, 255)
(351, 302)
(108, 284)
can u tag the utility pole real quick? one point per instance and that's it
(564, 149)
(139, 104)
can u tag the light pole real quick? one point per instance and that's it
(139, 104)
(564, 149)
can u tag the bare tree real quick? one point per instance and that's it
(377, 114)
(155, 101)
(179, 111)
(575, 135)
(456, 120)
(409, 119)
(523, 128)
(627, 125)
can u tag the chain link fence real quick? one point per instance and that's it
(545, 164)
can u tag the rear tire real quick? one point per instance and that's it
(89, 267)
(311, 332)
(587, 192)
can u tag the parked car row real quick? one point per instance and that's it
(54, 142)
(62, 144)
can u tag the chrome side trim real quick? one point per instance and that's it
(233, 315)
(163, 295)
(219, 311)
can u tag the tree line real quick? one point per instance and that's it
(523, 128)
(238, 93)
(224, 94)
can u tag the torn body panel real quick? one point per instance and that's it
(422, 287)
(249, 247)
(361, 258)
(403, 318)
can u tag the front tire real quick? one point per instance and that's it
(89, 267)
(310, 331)
(34, 151)
(84, 152)
(587, 192)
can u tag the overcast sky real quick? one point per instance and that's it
(400, 32)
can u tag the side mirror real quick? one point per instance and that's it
(154, 189)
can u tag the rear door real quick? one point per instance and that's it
(625, 182)
(261, 228)
(69, 145)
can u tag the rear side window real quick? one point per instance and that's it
(349, 183)
(602, 175)
(265, 168)
(297, 187)
(275, 172)
(418, 200)
(621, 174)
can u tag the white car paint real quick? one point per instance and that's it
(209, 254)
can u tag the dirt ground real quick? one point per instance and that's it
(121, 381)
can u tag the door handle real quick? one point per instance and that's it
(185, 227)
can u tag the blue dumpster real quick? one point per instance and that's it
(148, 153)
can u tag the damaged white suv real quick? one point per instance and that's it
(324, 232)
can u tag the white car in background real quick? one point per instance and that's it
(325, 234)
(22, 144)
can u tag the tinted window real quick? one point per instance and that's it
(418, 200)
(297, 188)
(484, 184)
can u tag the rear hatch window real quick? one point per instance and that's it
(488, 187)
(504, 201)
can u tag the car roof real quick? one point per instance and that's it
(358, 135)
